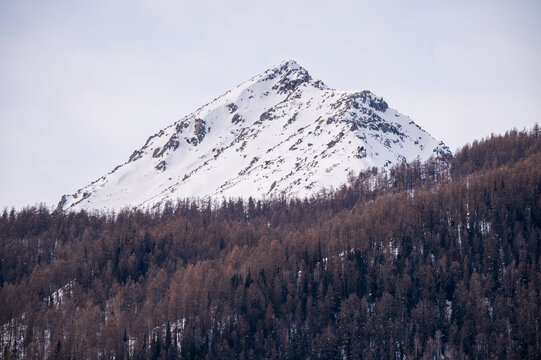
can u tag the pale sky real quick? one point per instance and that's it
(83, 84)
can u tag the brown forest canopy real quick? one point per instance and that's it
(440, 258)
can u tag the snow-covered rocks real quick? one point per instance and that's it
(280, 133)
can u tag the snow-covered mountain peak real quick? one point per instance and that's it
(284, 78)
(286, 69)
(279, 133)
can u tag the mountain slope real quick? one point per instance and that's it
(279, 133)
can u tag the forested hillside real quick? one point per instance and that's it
(422, 261)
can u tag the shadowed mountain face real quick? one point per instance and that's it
(279, 133)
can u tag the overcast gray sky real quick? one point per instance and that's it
(84, 83)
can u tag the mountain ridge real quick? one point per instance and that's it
(279, 133)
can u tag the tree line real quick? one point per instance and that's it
(425, 260)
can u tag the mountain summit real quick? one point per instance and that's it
(279, 133)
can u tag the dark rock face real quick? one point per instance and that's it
(161, 166)
(287, 85)
(361, 152)
(373, 101)
(181, 126)
(267, 115)
(291, 77)
(378, 104)
(137, 154)
(236, 119)
(200, 131)
(172, 144)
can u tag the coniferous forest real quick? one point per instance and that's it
(422, 261)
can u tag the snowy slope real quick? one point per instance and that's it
(279, 133)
